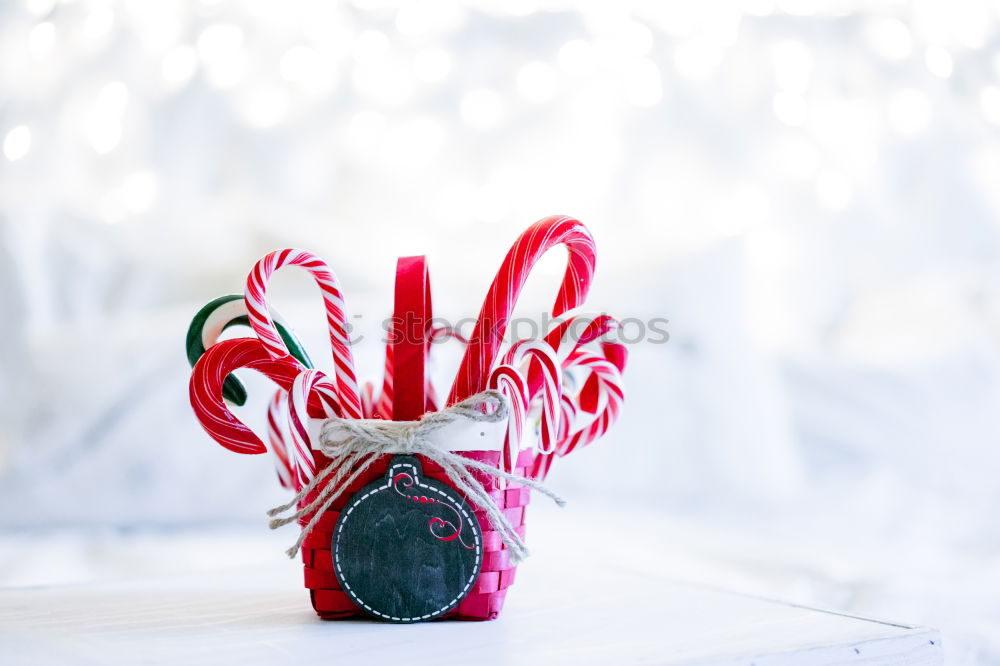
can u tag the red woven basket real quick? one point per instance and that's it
(529, 368)
(484, 602)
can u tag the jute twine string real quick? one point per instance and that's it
(352, 446)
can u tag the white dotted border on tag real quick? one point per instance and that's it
(356, 501)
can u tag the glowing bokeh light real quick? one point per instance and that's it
(481, 109)
(889, 37)
(432, 64)
(989, 101)
(17, 143)
(139, 191)
(793, 64)
(909, 111)
(833, 190)
(577, 58)
(265, 107)
(179, 65)
(790, 108)
(643, 83)
(220, 47)
(697, 58)
(41, 39)
(536, 81)
(939, 61)
(103, 124)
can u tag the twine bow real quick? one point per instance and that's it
(353, 446)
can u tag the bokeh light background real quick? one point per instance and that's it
(807, 190)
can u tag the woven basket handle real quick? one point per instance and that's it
(410, 339)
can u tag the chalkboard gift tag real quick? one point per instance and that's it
(407, 548)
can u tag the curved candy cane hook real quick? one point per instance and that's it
(541, 362)
(602, 390)
(473, 373)
(591, 410)
(509, 381)
(222, 313)
(207, 379)
(306, 382)
(260, 318)
(582, 329)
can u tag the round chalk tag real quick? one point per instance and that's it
(407, 548)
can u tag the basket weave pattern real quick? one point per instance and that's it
(484, 601)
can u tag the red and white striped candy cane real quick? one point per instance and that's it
(473, 374)
(260, 319)
(543, 462)
(603, 390)
(306, 384)
(368, 400)
(509, 381)
(569, 414)
(589, 413)
(571, 336)
(567, 337)
(205, 387)
(536, 357)
(277, 439)
(574, 332)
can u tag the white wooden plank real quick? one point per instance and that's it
(596, 591)
(261, 615)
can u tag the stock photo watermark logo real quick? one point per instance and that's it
(628, 331)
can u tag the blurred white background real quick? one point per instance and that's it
(807, 190)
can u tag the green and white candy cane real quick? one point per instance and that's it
(220, 314)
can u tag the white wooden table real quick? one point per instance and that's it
(612, 602)
(262, 616)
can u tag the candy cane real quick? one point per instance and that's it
(210, 408)
(276, 437)
(605, 391)
(206, 382)
(304, 385)
(582, 424)
(540, 359)
(368, 400)
(570, 350)
(569, 412)
(530, 369)
(509, 381)
(336, 317)
(493, 317)
(569, 337)
(574, 332)
(220, 314)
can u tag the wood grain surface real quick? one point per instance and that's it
(577, 600)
